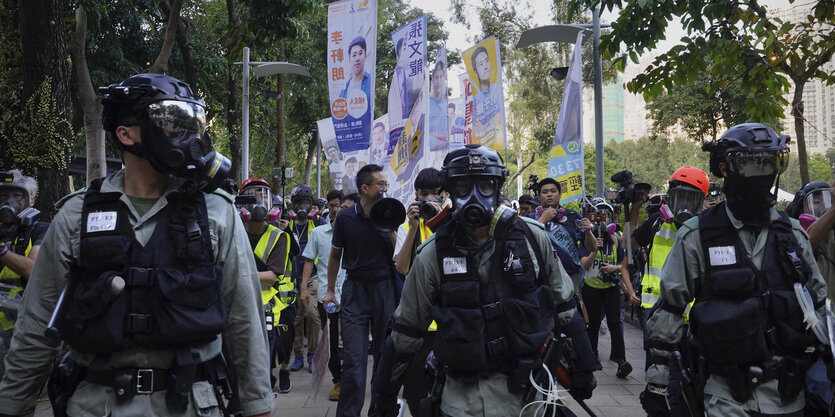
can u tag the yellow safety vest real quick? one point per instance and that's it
(310, 226)
(662, 244)
(7, 276)
(425, 233)
(592, 278)
(282, 293)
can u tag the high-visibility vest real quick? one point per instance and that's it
(662, 244)
(592, 278)
(310, 226)
(425, 233)
(282, 293)
(7, 276)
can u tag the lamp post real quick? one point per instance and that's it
(262, 69)
(568, 34)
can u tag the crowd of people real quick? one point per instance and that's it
(151, 277)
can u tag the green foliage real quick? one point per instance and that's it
(38, 141)
(11, 78)
(820, 169)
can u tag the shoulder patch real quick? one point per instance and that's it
(225, 195)
(67, 197)
(425, 242)
(532, 222)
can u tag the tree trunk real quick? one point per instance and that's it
(44, 49)
(799, 129)
(185, 49)
(90, 103)
(311, 155)
(233, 115)
(160, 65)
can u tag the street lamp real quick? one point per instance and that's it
(262, 69)
(568, 34)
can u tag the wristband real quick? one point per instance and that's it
(3, 249)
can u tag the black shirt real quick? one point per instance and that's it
(363, 247)
(647, 230)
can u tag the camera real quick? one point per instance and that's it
(428, 211)
(629, 191)
(533, 184)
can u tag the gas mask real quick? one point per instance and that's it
(502, 222)
(475, 200)
(303, 209)
(13, 216)
(683, 202)
(9, 209)
(262, 209)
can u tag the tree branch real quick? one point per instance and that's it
(161, 64)
(519, 172)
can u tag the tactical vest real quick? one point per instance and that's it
(490, 323)
(594, 276)
(173, 290)
(21, 245)
(282, 293)
(742, 314)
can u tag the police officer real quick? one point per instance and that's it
(271, 250)
(158, 271)
(21, 235)
(756, 287)
(492, 283)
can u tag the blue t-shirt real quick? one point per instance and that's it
(565, 237)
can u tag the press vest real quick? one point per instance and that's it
(493, 322)
(594, 276)
(282, 293)
(22, 245)
(172, 294)
(744, 314)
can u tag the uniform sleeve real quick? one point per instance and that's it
(277, 262)
(245, 339)
(817, 284)
(30, 357)
(680, 269)
(415, 309)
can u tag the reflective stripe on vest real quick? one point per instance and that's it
(425, 233)
(592, 278)
(285, 287)
(662, 243)
(7, 276)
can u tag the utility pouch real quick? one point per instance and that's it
(791, 380)
(64, 378)
(730, 331)
(529, 321)
(461, 340)
(180, 380)
(787, 318)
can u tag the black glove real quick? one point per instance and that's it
(383, 406)
(582, 385)
(654, 401)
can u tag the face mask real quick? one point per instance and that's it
(172, 142)
(750, 199)
(475, 202)
(502, 222)
(9, 210)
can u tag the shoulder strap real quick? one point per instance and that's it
(787, 242)
(537, 250)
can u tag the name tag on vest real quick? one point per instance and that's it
(101, 221)
(722, 255)
(455, 266)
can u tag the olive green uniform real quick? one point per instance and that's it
(244, 340)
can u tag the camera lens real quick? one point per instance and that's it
(427, 211)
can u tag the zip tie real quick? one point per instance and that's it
(551, 393)
(809, 316)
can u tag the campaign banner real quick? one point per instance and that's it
(437, 127)
(343, 165)
(566, 163)
(484, 72)
(352, 58)
(409, 72)
(379, 140)
(457, 124)
(409, 150)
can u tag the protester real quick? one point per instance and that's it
(136, 327)
(317, 252)
(369, 292)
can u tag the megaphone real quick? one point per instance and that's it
(387, 214)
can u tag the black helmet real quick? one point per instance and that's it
(473, 160)
(803, 204)
(753, 140)
(301, 191)
(473, 175)
(137, 92)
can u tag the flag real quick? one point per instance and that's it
(566, 163)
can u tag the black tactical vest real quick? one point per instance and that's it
(743, 314)
(490, 323)
(172, 294)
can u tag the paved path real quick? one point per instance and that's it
(613, 397)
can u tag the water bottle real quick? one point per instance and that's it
(331, 307)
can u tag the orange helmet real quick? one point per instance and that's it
(692, 176)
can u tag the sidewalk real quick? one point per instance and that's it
(613, 397)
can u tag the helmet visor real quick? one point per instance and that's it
(755, 164)
(178, 117)
(817, 202)
(685, 200)
(262, 194)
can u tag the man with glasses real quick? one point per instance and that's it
(157, 273)
(369, 293)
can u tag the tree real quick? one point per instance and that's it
(740, 39)
(702, 109)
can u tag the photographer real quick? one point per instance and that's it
(601, 293)
(563, 230)
(527, 206)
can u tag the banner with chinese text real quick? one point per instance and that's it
(343, 165)
(407, 80)
(352, 58)
(483, 62)
(566, 163)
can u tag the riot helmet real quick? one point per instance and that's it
(172, 124)
(301, 200)
(753, 156)
(262, 209)
(688, 188)
(473, 176)
(812, 199)
(17, 194)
